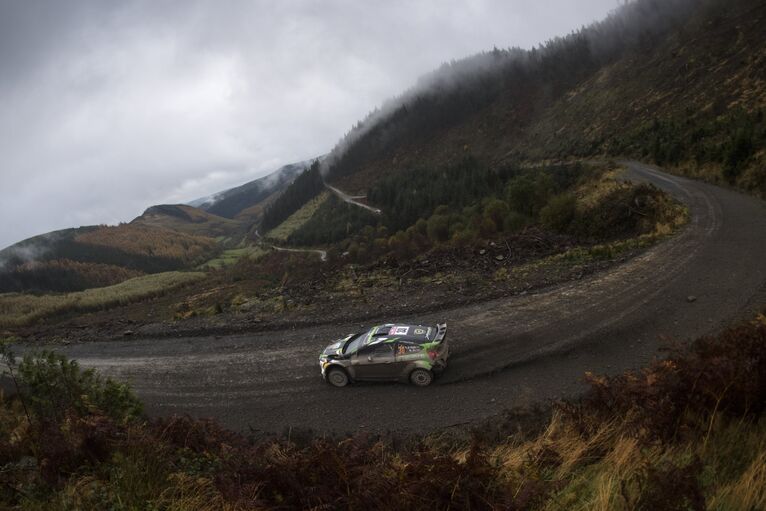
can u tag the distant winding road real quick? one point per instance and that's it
(352, 199)
(321, 253)
(506, 352)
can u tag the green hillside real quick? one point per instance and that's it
(190, 220)
(96, 256)
(164, 238)
(231, 203)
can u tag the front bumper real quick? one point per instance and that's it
(323, 365)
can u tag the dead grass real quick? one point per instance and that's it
(24, 309)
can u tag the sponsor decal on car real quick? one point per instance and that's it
(419, 331)
(403, 349)
(399, 330)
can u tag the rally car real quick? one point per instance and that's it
(390, 352)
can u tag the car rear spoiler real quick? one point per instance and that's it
(441, 332)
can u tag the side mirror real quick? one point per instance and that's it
(369, 358)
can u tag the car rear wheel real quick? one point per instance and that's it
(337, 377)
(421, 377)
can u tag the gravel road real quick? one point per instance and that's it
(507, 352)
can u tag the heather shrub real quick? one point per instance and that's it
(54, 386)
(559, 212)
(724, 374)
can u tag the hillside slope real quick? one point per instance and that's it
(96, 256)
(165, 237)
(681, 83)
(189, 220)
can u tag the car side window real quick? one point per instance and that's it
(380, 353)
(383, 349)
(377, 351)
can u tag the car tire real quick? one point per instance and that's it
(337, 377)
(421, 377)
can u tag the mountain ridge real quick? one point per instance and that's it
(79, 258)
(228, 203)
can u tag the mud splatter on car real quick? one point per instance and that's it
(390, 352)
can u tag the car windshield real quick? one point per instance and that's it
(353, 344)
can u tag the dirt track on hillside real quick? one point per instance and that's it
(507, 352)
(352, 199)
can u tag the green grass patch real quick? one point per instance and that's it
(231, 256)
(610, 251)
(297, 219)
(17, 309)
(583, 255)
(604, 251)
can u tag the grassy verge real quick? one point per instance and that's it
(686, 433)
(24, 309)
(671, 217)
(600, 252)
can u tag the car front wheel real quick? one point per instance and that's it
(337, 377)
(421, 377)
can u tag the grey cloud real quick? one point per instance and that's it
(109, 107)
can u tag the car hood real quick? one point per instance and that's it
(333, 349)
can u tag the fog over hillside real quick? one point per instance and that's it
(106, 109)
(474, 81)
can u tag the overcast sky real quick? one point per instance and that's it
(109, 107)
